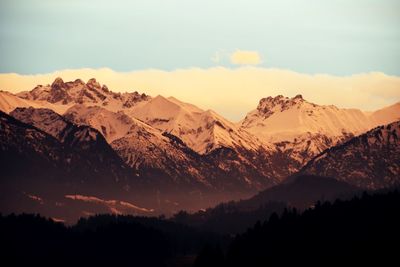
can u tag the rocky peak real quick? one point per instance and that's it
(298, 97)
(105, 89)
(93, 84)
(58, 92)
(267, 106)
(76, 83)
(79, 92)
(130, 99)
(58, 83)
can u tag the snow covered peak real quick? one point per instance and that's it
(304, 129)
(285, 119)
(203, 131)
(113, 125)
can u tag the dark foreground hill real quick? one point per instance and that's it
(102, 240)
(361, 231)
(300, 192)
(357, 232)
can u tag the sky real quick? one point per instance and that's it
(235, 38)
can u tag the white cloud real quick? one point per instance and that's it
(232, 92)
(241, 57)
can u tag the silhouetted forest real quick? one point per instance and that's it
(299, 192)
(362, 230)
(229, 218)
(357, 232)
(103, 240)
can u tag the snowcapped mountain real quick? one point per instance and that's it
(203, 131)
(303, 129)
(149, 150)
(81, 139)
(142, 147)
(113, 125)
(368, 161)
(284, 119)
(74, 160)
(88, 147)
(229, 147)
(238, 153)
(169, 142)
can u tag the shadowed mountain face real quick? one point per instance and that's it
(145, 148)
(86, 141)
(161, 160)
(39, 170)
(368, 161)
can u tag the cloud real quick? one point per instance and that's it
(232, 92)
(241, 57)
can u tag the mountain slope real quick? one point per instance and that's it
(8, 102)
(85, 141)
(176, 143)
(369, 161)
(302, 192)
(149, 150)
(237, 152)
(84, 148)
(203, 131)
(284, 119)
(298, 192)
(113, 125)
(385, 115)
(75, 175)
(39, 171)
(302, 129)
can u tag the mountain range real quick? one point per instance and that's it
(81, 139)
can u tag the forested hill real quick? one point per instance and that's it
(357, 232)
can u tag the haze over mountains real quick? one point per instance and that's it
(168, 155)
